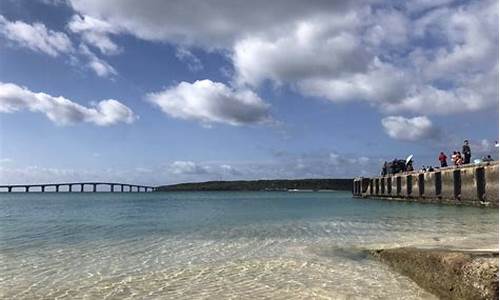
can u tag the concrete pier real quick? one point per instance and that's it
(473, 184)
(57, 187)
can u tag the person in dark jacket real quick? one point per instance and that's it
(466, 152)
(442, 158)
(384, 169)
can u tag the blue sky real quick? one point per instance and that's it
(175, 91)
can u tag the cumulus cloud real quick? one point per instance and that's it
(95, 32)
(38, 38)
(99, 66)
(211, 24)
(432, 57)
(381, 83)
(378, 59)
(320, 47)
(60, 110)
(425, 57)
(211, 102)
(409, 129)
(35, 37)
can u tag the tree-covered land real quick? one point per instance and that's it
(262, 185)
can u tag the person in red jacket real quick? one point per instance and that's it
(442, 158)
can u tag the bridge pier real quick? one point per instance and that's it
(82, 188)
(121, 188)
(112, 188)
(9, 189)
(94, 187)
(57, 188)
(129, 188)
(70, 188)
(27, 189)
(43, 188)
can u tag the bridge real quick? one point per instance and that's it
(76, 187)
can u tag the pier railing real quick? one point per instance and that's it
(472, 184)
(76, 187)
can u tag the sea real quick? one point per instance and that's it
(221, 245)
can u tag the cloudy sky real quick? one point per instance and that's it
(160, 91)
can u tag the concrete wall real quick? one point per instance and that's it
(491, 186)
(475, 185)
(429, 185)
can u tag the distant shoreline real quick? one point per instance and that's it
(291, 185)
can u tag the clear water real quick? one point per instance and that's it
(220, 245)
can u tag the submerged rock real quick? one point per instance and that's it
(449, 274)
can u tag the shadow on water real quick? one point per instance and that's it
(350, 253)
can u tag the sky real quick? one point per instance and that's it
(158, 92)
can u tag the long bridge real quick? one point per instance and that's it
(76, 187)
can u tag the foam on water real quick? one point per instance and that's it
(220, 245)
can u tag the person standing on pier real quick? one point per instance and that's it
(442, 158)
(460, 159)
(466, 152)
(454, 158)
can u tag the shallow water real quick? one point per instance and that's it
(220, 245)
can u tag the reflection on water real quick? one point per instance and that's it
(220, 245)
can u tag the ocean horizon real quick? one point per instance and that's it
(194, 245)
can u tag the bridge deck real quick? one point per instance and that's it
(122, 187)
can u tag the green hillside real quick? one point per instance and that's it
(262, 185)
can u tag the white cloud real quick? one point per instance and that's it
(432, 100)
(380, 83)
(379, 58)
(187, 168)
(35, 37)
(99, 66)
(409, 129)
(321, 47)
(63, 111)
(211, 24)
(211, 102)
(194, 64)
(425, 57)
(95, 32)
(230, 170)
(38, 38)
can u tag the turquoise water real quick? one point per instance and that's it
(220, 245)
